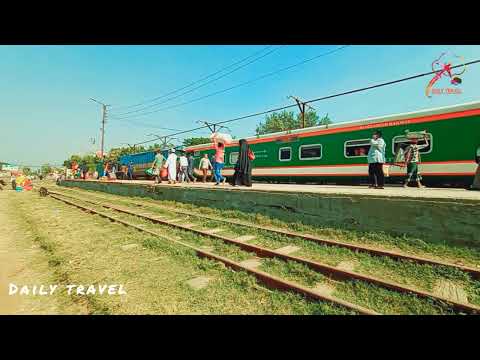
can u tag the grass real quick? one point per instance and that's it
(424, 277)
(86, 249)
(406, 244)
(379, 299)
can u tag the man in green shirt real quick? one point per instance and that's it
(157, 165)
(412, 159)
(100, 169)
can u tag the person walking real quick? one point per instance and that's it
(412, 159)
(183, 169)
(243, 167)
(219, 161)
(476, 179)
(130, 171)
(157, 164)
(172, 167)
(212, 162)
(84, 169)
(376, 159)
(99, 168)
(190, 174)
(204, 165)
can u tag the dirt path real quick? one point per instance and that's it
(22, 262)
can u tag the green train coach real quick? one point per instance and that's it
(337, 153)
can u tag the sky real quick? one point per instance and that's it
(46, 114)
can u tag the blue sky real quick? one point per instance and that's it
(46, 115)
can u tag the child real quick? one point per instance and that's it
(204, 165)
(412, 159)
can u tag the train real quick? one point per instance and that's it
(337, 153)
(140, 162)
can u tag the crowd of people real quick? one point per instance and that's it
(103, 169)
(181, 168)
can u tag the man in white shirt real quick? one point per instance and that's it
(184, 168)
(376, 159)
(172, 167)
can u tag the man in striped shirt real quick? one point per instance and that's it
(412, 159)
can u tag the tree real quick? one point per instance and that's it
(27, 171)
(195, 141)
(311, 119)
(286, 120)
(276, 122)
(46, 169)
(325, 120)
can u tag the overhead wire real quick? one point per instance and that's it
(194, 82)
(321, 98)
(238, 85)
(201, 85)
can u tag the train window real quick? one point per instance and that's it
(285, 154)
(401, 142)
(356, 148)
(196, 153)
(310, 152)
(233, 158)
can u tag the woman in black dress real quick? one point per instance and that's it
(243, 167)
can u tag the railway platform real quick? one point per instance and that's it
(440, 215)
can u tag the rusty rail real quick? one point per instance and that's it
(317, 266)
(267, 279)
(361, 248)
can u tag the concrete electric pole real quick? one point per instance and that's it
(301, 106)
(102, 129)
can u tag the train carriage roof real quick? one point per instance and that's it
(366, 121)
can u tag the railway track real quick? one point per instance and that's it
(262, 252)
(266, 278)
(475, 273)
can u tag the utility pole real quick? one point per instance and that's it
(102, 129)
(164, 140)
(301, 106)
(213, 127)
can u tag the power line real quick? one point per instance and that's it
(148, 126)
(197, 81)
(324, 98)
(202, 85)
(241, 84)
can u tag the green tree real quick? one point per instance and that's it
(46, 169)
(195, 141)
(325, 120)
(311, 119)
(286, 120)
(276, 122)
(76, 158)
